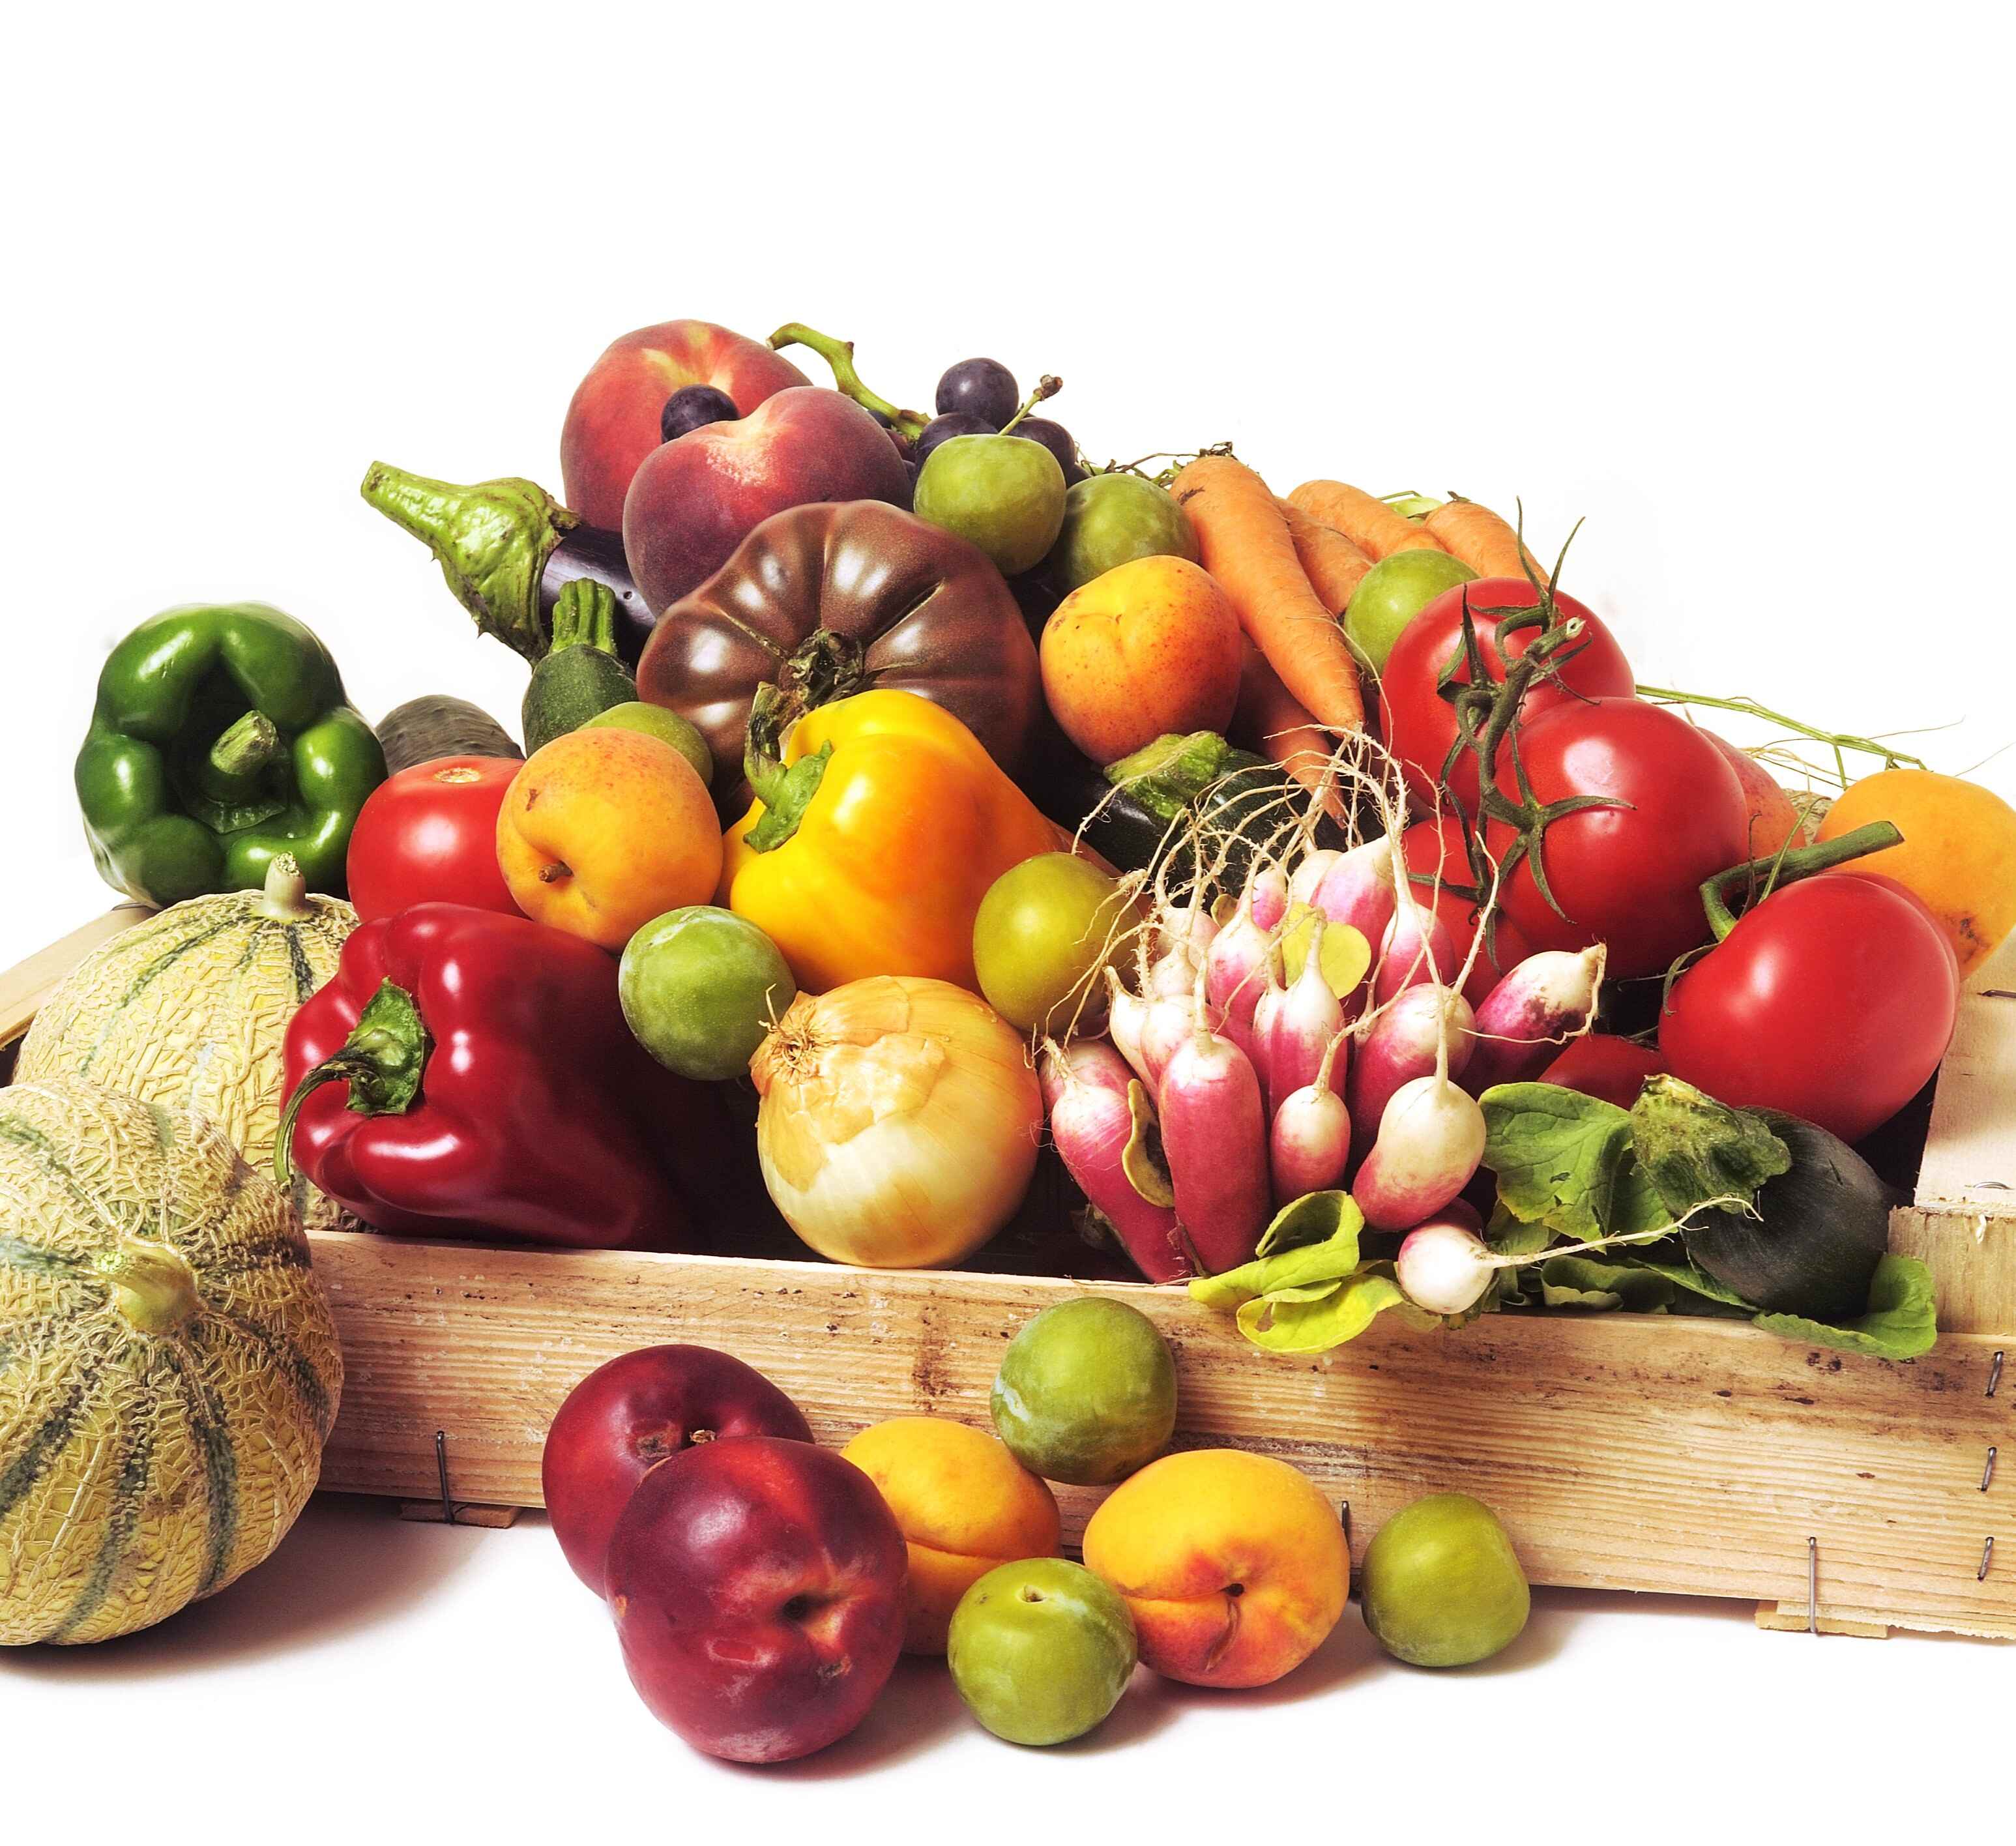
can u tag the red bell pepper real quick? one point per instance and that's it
(494, 1091)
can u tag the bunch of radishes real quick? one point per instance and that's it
(1224, 1090)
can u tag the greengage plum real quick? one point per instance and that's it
(1086, 1392)
(1041, 1650)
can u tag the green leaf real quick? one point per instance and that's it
(1696, 1281)
(1582, 1282)
(1563, 1160)
(1335, 1219)
(1340, 1312)
(1510, 1236)
(1696, 1149)
(1901, 1322)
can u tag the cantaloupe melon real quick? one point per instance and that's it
(190, 1009)
(168, 1367)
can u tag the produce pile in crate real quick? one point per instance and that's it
(928, 849)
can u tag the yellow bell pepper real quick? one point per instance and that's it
(887, 822)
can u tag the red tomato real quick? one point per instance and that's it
(1834, 1000)
(429, 835)
(1630, 876)
(1598, 1065)
(1420, 724)
(1435, 850)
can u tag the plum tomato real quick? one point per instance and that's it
(1628, 875)
(1420, 724)
(1833, 1000)
(1612, 1069)
(1434, 849)
(428, 835)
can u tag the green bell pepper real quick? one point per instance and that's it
(220, 739)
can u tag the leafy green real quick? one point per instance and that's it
(1582, 1282)
(1338, 1311)
(1696, 1281)
(1509, 1236)
(1313, 1241)
(1694, 1148)
(1563, 1160)
(1901, 1322)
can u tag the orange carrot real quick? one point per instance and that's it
(1477, 536)
(1371, 525)
(1269, 720)
(1333, 563)
(1243, 542)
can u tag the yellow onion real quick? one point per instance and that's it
(899, 1121)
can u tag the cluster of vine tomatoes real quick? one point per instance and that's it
(1833, 998)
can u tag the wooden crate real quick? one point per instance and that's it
(1639, 1452)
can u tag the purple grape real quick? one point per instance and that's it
(692, 407)
(1056, 439)
(985, 388)
(942, 429)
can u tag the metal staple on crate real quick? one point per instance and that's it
(440, 1471)
(1813, 1586)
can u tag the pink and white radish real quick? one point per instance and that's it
(1417, 948)
(1356, 888)
(1313, 868)
(1309, 1148)
(1234, 965)
(1444, 1265)
(1430, 1141)
(1169, 1020)
(1186, 935)
(1267, 897)
(1295, 1026)
(1215, 1138)
(1091, 1095)
(1126, 1012)
(1547, 1000)
(1405, 1041)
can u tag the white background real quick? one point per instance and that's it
(1731, 283)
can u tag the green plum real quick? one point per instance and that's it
(1086, 1393)
(1042, 940)
(699, 988)
(1002, 493)
(1392, 593)
(1112, 520)
(655, 721)
(1041, 1650)
(1441, 1584)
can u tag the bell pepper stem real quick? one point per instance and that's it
(839, 353)
(491, 541)
(785, 791)
(236, 762)
(1801, 861)
(153, 1286)
(382, 1060)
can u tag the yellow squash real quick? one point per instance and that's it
(889, 822)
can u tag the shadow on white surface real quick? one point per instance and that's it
(351, 1563)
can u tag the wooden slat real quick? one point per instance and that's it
(1643, 1453)
(1970, 1160)
(27, 985)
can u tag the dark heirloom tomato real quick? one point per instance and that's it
(1834, 1000)
(1627, 875)
(428, 835)
(1420, 724)
(827, 600)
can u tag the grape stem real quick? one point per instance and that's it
(839, 353)
(1048, 386)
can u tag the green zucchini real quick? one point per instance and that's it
(436, 724)
(583, 676)
(1242, 804)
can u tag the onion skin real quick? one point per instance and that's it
(1091, 1122)
(899, 1121)
(1547, 1000)
(1431, 1142)
(1215, 1138)
(1401, 1047)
